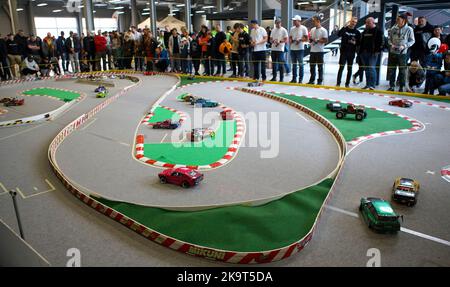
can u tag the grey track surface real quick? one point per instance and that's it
(306, 150)
(34, 105)
(56, 221)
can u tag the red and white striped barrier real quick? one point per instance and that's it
(228, 156)
(416, 125)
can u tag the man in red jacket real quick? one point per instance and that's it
(100, 50)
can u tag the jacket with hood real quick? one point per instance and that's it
(403, 36)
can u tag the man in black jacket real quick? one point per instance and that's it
(4, 69)
(14, 54)
(62, 52)
(219, 57)
(370, 48)
(89, 49)
(422, 33)
(350, 38)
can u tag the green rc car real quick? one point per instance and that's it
(102, 94)
(379, 215)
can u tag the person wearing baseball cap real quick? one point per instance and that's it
(400, 38)
(278, 39)
(298, 35)
(259, 39)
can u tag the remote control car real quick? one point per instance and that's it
(334, 107)
(186, 97)
(100, 89)
(112, 77)
(182, 176)
(199, 134)
(167, 124)
(205, 103)
(401, 103)
(379, 215)
(14, 102)
(102, 94)
(405, 190)
(4, 100)
(254, 84)
(359, 112)
(226, 115)
(194, 99)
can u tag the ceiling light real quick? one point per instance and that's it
(146, 13)
(19, 9)
(118, 8)
(200, 11)
(180, 5)
(146, 9)
(119, 12)
(303, 3)
(42, 4)
(208, 7)
(57, 11)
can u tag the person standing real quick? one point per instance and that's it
(370, 48)
(234, 55)
(100, 50)
(89, 50)
(196, 53)
(220, 61)
(204, 41)
(350, 38)
(4, 69)
(401, 37)
(128, 49)
(34, 48)
(259, 39)
(334, 32)
(116, 46)
(278, 39)
(62, 53)
(422, 33)
(174, 51)
(298, 35)
(14, 55)
(318, 39)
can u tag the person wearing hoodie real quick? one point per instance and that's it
(401, 37)
(416, 76)
(433, 65)
(100, 50)
(444, 77)
(422, 33)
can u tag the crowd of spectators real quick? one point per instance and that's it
(416, 49)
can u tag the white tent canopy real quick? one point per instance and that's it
(169, 21)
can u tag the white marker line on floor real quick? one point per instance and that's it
(125, 144)
(21, 132)
(5, 191)
(430, 172)
(164, 138)
(425, 236)
(342, 211)
(300, 115)
(88, 124)
(406, 230)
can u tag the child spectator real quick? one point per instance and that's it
(184, 55)
(444, 86)
(433, 64)
(416, 76)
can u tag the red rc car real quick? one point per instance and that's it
(401, 103)
(167, 124)
(226, 115)
(182, 176)
(14, 102)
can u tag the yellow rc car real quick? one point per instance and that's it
(405, 190)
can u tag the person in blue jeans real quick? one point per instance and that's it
(278, 39)
(298, 35)
(259, 39)
(370, 49)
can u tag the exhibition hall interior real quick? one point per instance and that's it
(224, 133)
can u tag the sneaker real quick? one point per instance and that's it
(347, 85)
(311, 83)
(354, 80)
(273, 79)
(391, 89)
(338, 84)
(401, 89)
(371, 88)
(319, 83)
(293, 81)
(366, 87)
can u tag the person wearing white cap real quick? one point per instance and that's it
(278, 39)
(297, 36)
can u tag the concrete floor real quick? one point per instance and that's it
(55, 221)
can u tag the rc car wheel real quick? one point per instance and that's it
(185, 184)
(365, 114)
(359, 117)
(340, 115)
(162, 179)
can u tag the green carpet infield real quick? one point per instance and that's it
(376, 121)
(273, 225)
(205, 152)
(161, 114)
(66, 96)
